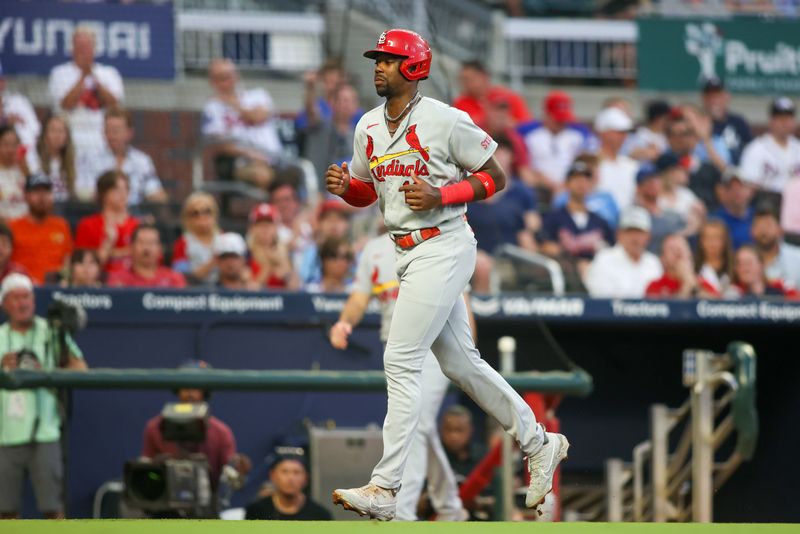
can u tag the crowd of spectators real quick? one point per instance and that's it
(688, 203)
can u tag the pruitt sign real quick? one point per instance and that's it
(751, 55)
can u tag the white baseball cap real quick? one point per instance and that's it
(13, 282)
(229, 243)
(635, 218)
(612, 120)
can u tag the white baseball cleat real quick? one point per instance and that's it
(542, 466)
(370, 500)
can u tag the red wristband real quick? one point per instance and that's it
(360, 194)
(458, 193)
(487, 181)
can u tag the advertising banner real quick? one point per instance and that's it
(137, 39)
(751, 55)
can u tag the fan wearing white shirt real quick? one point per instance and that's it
(617, 172)
(772, 160)
(237, 123)
(676, 195)
(16, 110)
(625, 270)
(555, 141)
(650, 140)
(118, 154)
(85, 89)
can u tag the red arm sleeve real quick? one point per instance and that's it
(360, 194)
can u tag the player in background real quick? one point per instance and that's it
(376, 277)
(423, 161)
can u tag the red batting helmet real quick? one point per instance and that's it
(407, 44)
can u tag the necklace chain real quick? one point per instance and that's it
(397, 118)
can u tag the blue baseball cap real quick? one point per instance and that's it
(646, 172)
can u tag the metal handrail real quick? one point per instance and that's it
(533, 258)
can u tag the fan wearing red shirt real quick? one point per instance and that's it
(479, 92)
(146, 269)
(109, 232)
(679, 279)
(270, 262)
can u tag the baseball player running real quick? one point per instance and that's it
(375, 277)
(423, 161)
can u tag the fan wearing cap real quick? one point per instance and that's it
(478, 92)
(269, 264)
(735, 210)
(732, 128)
(616, 172)
(146, 269)
(573, 232)
(42, 241)
(230, 252)
(16, 110)
(286, 499)
(624, 270)
(772, 161)
(663, 222)
(650, 140)
(676, 195)
(555, 141)
(30, 424)
(193, 251)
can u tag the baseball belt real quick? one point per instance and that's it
(416, 237)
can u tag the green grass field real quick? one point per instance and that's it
(373, 527)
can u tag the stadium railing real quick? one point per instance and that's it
(587, 49)
(251, 39)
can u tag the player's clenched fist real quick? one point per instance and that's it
(337, 179)
(420, 195)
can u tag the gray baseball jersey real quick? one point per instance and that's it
(376, 276)
(437, 142)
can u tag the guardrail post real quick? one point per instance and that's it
(659, 435)
(507, 347)
(702, 404)
(615, 496)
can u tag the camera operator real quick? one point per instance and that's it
(219, 446)
(30, 422)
